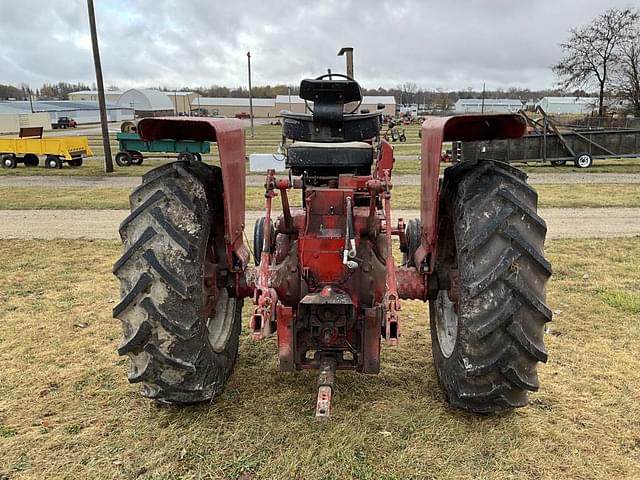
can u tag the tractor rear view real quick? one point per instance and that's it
(326, 282)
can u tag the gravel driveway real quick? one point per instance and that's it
(103, 224)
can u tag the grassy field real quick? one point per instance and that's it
(267, 138)
(405, 197)
(66, 410)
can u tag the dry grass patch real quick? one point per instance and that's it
(66, 410)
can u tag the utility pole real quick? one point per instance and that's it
(28, 91)
(483, 91)
(108, 161)
(250, 98)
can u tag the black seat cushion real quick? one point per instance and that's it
(355, 128)
(330, 158)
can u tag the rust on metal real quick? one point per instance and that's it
(229, 135)
(435, 130)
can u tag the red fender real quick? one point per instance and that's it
(229, 135)
(435, 130)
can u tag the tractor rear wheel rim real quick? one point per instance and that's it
(219, 307)
(584, 160)
(446, 323)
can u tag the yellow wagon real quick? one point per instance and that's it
(57, 150)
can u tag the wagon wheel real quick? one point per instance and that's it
(9, 161)
(53, 162)
(31, 160)
(558, 163)
(136, 158)
(123, 159)
(583, 160)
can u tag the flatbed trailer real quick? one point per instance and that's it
(57, 150)
(550, 142)
(133, 149)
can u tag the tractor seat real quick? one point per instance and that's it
(330, 159)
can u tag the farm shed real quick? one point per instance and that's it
(147, 103)
(182, 101)
(13, 122)
(569, 105)
(497, 105)
(229, 107)
(295, 104)
(84, 111)
(111, 96)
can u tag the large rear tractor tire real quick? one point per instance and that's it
(487, 322)
(180, 324)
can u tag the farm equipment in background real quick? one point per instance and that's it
(132, 147)
(64, 123)
(30, 145)
(548, 140)
(327, 284)
(394, 133)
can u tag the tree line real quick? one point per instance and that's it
(48, 91)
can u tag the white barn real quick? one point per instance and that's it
(576, 105)
(147, 103)
(493, 105)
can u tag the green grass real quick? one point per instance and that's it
(628, 302)
(404, 197)
(67, 411)
(268, 137)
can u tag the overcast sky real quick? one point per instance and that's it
(452, 44)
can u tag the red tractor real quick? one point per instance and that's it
(326, 282)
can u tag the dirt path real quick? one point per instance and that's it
(257, 180)
(103, 224)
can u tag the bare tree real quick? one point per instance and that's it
(591, 51)
(627, 74)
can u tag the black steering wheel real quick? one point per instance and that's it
(330, 75)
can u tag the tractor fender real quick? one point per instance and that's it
(228, 133)
(434, 131)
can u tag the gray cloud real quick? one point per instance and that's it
(435, 44)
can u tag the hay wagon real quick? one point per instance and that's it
(29, 146)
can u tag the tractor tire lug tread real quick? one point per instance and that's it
(488, 213)
(176, 214)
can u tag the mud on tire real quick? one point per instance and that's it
(487, 323)
(180, 326)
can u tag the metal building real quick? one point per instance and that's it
(82, 111)
(111, 96)
(147, 103)
(494, 105)
(576, 105)
(182, 101)
(230, 107)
